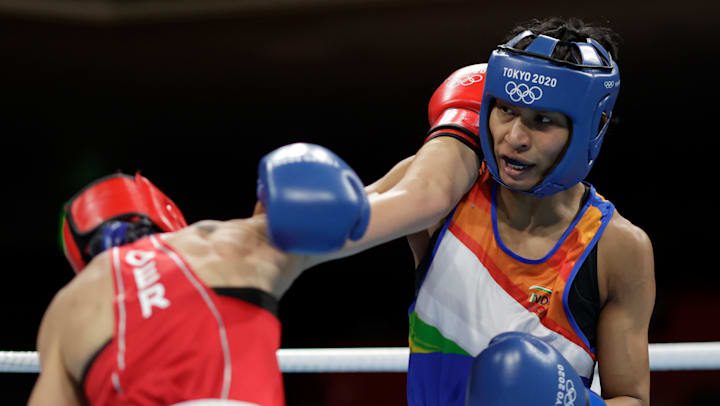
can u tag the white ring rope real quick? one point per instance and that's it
(663, 357)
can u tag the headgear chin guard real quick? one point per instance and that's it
(533, 78)
(112, 211)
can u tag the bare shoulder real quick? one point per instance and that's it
(625, 254)
(83, 288)
(79, 318)
(69, 334)
(623, 235)
(92, 284)
(254, 227)
(237, 253)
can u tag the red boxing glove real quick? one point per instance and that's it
(454, 108)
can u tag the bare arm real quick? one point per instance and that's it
(432, 183)
(390, 179)
(626, 260)
(418, 241)
(54, 385)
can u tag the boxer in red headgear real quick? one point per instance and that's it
(189, 314)
(113, 211)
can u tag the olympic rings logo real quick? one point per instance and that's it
(566, 394)
(570, 393)
(467, 80)
(523, 92)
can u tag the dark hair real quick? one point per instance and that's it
(569, 30)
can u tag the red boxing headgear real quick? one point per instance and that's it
(114, 197)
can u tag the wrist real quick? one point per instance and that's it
(465, 119)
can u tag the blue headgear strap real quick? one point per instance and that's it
(115, 233)
(581, 90)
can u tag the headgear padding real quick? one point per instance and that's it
(532, 78)
(111, 198)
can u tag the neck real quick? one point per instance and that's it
(526, 212)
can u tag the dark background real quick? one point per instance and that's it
(193, 93)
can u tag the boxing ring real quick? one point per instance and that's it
(663, 357)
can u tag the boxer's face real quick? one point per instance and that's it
(527, 143)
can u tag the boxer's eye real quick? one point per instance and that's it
(543, 119)
(550, 119)
(505, 109)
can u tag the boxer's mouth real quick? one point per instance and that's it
(515, 164)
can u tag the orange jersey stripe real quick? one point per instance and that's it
(538, 285)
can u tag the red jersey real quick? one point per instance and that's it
(176, 339)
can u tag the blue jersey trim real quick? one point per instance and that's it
(517, 257)
(607, 209)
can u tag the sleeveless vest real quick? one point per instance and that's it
(473, 288)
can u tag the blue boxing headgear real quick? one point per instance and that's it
(582, 91)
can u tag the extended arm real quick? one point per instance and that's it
(434, 181)
(626, 258)
(390, 179)
(413, 196)
(419, 192)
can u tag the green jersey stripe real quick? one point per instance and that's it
(425, 338)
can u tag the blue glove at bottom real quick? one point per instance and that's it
(520, 369)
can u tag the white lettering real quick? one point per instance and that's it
(152, 296)
(139, 258)
(566, 394)
(147, 279)
(296, 153)
(519, 74)
(146, 275)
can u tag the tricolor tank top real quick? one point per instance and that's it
(472, 287)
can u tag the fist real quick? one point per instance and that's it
(314, 201)
(454, 108)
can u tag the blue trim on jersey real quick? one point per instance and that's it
(443, 230)
(517, 257)
(606, 208)
(438, 379)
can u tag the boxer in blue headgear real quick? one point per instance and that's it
(511, 236)
(584, 90)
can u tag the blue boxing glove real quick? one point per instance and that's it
(314, 200)
(520, 369)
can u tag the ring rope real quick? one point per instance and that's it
(663, 357)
